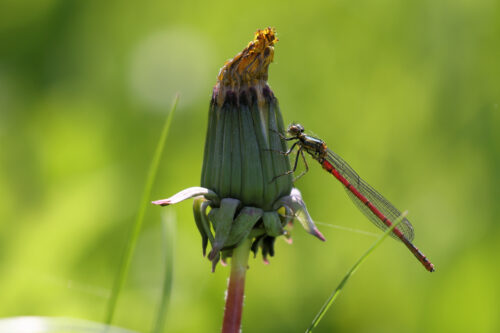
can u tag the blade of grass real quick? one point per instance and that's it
(168, 226)
(353, 269)
(134, 235)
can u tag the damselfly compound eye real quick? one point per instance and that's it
(295, 129)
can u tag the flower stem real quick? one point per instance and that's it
(236, 288)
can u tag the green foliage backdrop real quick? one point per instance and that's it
(407, 91)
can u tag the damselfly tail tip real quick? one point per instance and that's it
(427, 264)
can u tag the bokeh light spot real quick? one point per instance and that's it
(170, 62)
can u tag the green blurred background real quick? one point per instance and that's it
(407, 91)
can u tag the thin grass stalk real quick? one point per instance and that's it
(134, 234)
(353, 269)
(168, 227)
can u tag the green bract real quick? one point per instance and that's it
(246, 191)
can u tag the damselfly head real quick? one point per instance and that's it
(295, 130)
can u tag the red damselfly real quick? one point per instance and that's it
(371, 203)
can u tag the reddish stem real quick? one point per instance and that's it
(236, 288)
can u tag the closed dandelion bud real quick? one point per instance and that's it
(246, 191)
(241, 159)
